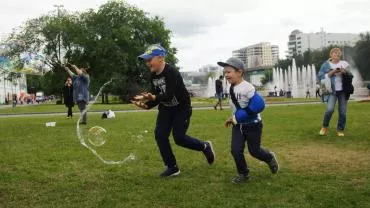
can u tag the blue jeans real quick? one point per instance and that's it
(82, 107)
(342, 108)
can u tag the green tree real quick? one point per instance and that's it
(362, 55)
(307, 58)
(283, 63)
(108, 40)
(112, 39)
(267, 76)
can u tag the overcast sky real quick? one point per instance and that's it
(206, 31)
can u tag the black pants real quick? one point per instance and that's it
(176, 120)
(69, 112)
(250, 133)
(82, 107)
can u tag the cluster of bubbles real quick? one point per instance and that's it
(34, 63)
(5, 63)
(139, 137)
(12, 45)
(13, 52)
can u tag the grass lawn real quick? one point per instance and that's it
(47, 167)
(196, 102)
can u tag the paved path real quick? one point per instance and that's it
(135, 111)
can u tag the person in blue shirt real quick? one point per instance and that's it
(81, 95)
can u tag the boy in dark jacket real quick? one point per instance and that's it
(174, 110)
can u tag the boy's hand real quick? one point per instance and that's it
(139, 104)
(144, 96)
(229, 122)
(139, 98)
(148, 96)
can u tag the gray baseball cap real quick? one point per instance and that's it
(233, 62)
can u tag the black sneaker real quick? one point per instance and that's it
(208, 152)
(171, 171)
(82, 123)
(273, 164)
(241, 178)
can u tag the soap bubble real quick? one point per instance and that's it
(97, 136)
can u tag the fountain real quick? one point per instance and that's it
(301, 80)
(294, 79)
(211, 85)
(360, 91)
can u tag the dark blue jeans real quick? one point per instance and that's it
(250, 133)
(82, 107)
(342, 108)
(176, 120)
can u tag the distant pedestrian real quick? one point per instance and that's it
(318, 91)
(68, 96)
(219, 91)
(15, 101)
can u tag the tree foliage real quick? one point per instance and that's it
(362, 57)
(107, 40)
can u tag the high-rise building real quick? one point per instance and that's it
(300, 42)
(259, 55)
(275, 53)
(241, 54)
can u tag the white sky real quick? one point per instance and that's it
(206, 31)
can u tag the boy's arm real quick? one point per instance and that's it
(152, 103)
(250, 95)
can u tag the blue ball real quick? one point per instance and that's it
(256, 103)
(241, 115)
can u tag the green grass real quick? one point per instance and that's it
(47, 167)
(53, 108)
